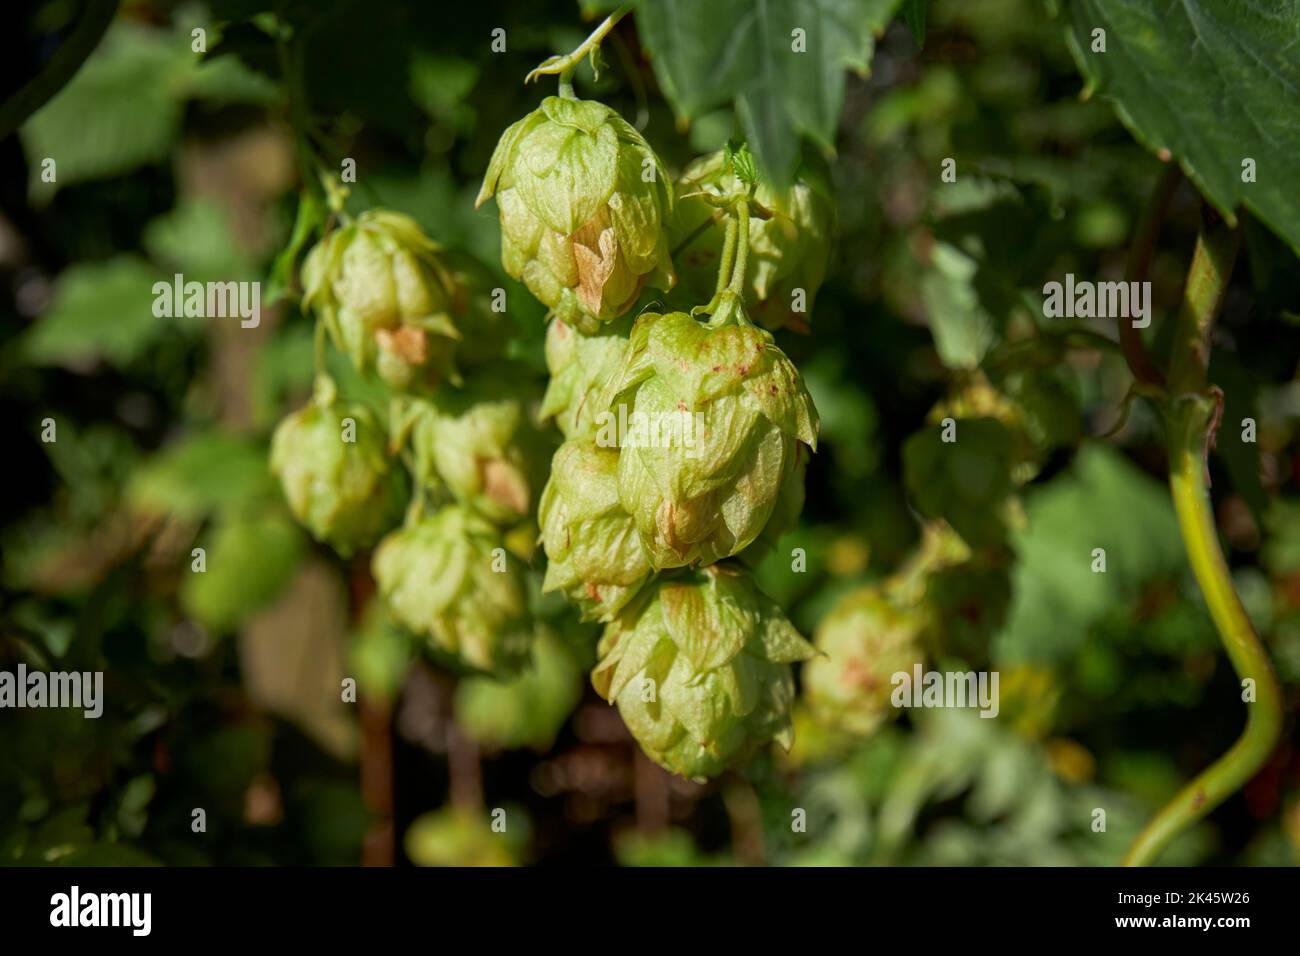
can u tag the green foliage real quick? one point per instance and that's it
(100, 311)
(1214, 84)
(708, 55)
(227, 687)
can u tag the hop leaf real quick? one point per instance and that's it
(788, 250)
(343, 491)
(699, 666)
(448, 578)
(580, 225)
(740, 410)
(592, 547)
(865, 639)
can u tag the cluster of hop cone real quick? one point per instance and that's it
(655, 540)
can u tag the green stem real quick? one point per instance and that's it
(1207, 281)
(728, 257)
(1192, 418)
(742, 249)
(563, 66)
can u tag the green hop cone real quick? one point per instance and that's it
(699, 665)
(789, 249)
(449, 578)
(482, 443)
(580, 366)
(388, 299)
(711, 423)
(457, 836)
(583, 202)
(594, 554)
(527, 710)
(332, 461)
(964, 472)
(865, 640)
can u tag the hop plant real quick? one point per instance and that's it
(447, 577)
(742, 413)
(332, 462)
(583, 203)
(865, 639)
(594, 554)
(482, 443)
(580, 367)
(699, 666)
(388, 299)
(788, 249)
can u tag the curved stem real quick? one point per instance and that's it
(1192, 419)
(93, 22)
(563, 66)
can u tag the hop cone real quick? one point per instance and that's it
(743, 412)
(527, 710)
(580, 366)
(448, 577)
(483, 444)
(788, 250)
(454, 836)
(699, 666)
(864, 640)
(332, 462)
(594, 554)
(580, 223)
(388, 298)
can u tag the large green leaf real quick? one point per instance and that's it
(1214, 82)
(249, 561)
(123, 109)
(709, 54)
(100, 311)
(202, 473)
(1103, 502)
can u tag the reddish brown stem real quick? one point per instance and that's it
(378, 846)
(1139, 264)
(652, 800)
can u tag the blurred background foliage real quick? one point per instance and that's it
(222, 688)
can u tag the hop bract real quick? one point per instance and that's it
(448, 577)
(387, 298)
(699, 665)
(583, 203)
(864, 641)
(711, 423)
(580, 367)
(593, 551)
(332, 462)
(789, 249)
